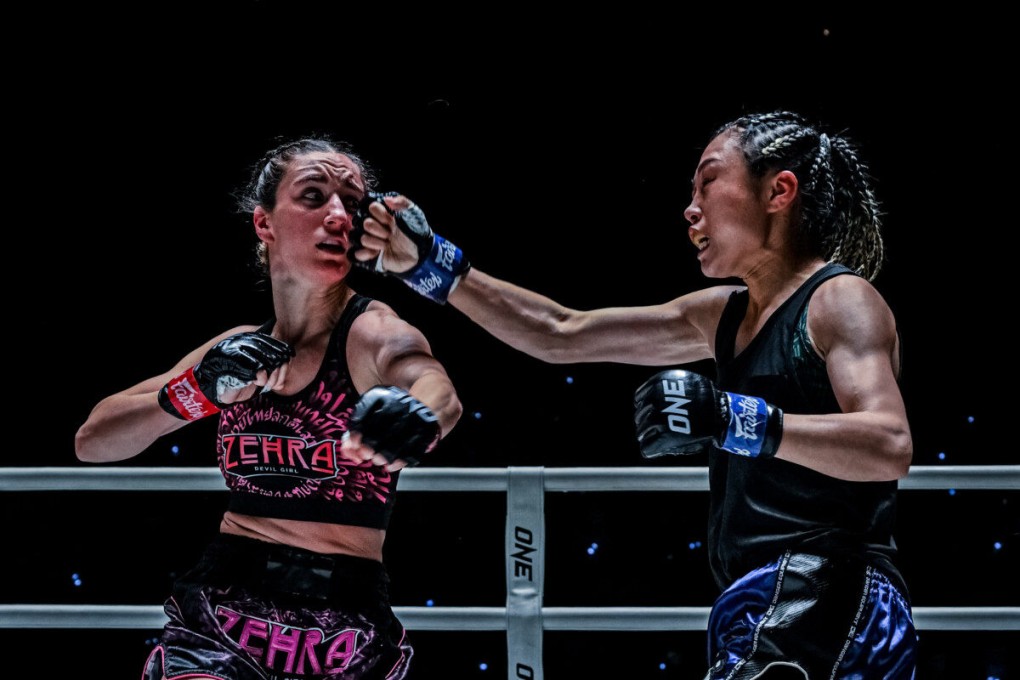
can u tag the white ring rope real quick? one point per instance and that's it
(1004, 477)
(52, 616)
(32, 479)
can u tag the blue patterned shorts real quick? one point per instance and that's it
(805, 616)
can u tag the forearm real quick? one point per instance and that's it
(122, 426)
(523, 319)
(857, 447)
(435, 390)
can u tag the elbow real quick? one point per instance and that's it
(451, 412)
(84, 447)
(557, 343)
(899, 453)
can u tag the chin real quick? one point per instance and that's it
(714, 272)
(330, 273)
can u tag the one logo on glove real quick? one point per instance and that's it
(677, 417)
(419, 409)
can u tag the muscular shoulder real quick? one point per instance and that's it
(379, 330)
(703, 308)
(849, 310)
(379, 340)
(376, 324)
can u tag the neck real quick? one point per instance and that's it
(303, 313)
(776, 279)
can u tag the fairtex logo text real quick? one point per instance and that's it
(427, 284)
(186, 396)
(446, 255)
(747, 418)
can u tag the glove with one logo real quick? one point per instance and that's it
(679, 412)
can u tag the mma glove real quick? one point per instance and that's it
(395, 424)
(231, 364)
(679, 412)
(440, 263)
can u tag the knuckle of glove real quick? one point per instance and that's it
(363, 212)
(664, 415)
(412, 221)
(395, 424)
(358, 226)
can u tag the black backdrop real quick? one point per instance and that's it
(557, 151)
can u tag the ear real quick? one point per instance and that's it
(783, 190)
(260, 218)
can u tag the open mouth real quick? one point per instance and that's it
(334, 248)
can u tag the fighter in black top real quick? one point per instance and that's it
(806, 428)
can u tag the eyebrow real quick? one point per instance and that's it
(319, 176)
(704, 163)
(701, 166)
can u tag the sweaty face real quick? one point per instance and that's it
(726, 213)
(311, 224)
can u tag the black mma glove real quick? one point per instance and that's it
(395, 424)
(679, 412)
(440, 263)
(230, 364)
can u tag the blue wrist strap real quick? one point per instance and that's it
(436, 276)
(746, 432)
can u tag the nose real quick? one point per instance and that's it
(692, 213)
(337, 216)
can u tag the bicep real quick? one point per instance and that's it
(383, 349)
(857, 332)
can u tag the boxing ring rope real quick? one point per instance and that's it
(523, 618)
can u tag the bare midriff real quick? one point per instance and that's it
(319, 537)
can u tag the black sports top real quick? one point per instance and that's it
(761, 508)
(280, 454)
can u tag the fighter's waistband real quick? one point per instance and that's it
(277, 569)
(845, 564)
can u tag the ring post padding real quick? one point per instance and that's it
(525, 562)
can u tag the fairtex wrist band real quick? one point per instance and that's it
(436, 276)
(745, 433)
(182, 397)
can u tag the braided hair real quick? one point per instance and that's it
(839, 215)
(268, 172)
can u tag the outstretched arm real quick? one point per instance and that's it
(676, 332)
(679, 331)
(228, 368)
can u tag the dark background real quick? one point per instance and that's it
(556, 149)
